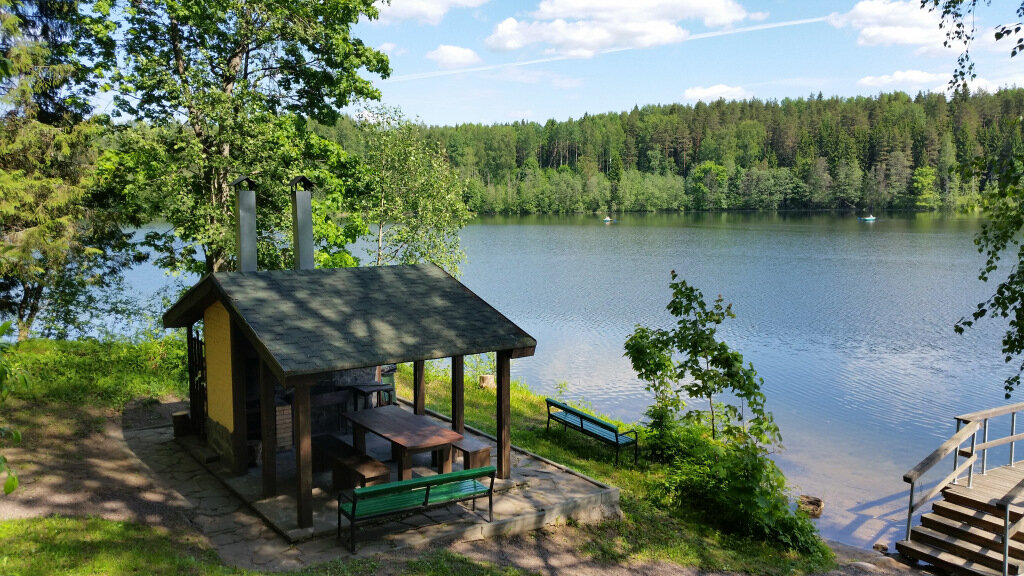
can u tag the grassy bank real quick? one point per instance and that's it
(649, 530)
(83, 378)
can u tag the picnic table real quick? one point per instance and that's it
(408, 434)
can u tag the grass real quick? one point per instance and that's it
(87, 378)
(648, 530)
(83, 546)
(102, 373)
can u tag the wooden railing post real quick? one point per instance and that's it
(1013, 432)
(970, 471)
(984, 451)
(956, 454)
(910, 511)
(1006, 541)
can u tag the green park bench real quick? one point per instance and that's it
(365, 505)
(592, 426)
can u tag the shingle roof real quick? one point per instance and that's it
(323, 320)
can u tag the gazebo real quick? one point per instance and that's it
(268, 331)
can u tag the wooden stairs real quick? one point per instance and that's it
(963, 532)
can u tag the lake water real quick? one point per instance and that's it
(848, 322)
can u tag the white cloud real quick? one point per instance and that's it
(905, 78)
(582, 28)
(712, 93)
(448, 56)
(427, 11)
(892, 22)
(581, 38)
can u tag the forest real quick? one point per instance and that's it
(886, 152)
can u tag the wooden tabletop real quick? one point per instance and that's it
(404, 428)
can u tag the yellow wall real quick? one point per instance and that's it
(217, 326)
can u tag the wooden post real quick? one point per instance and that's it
(239, 433)
(303, 452)
(458, 394)
(419, 387)
(504, 412)
(268, 431)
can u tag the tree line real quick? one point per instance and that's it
(890, 151)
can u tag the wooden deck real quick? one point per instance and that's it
(963, 533)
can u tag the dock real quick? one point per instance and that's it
(977, 511)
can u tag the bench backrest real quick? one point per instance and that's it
(588, 417)
(423, 482)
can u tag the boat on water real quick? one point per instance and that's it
(868, 218)
(608, 219)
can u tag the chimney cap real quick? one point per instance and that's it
(306, 182)
(243, 179)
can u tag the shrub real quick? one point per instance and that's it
(738, 488)
(718, 464)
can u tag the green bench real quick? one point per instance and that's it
(592, 426)
(364, 505)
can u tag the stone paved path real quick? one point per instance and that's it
(241, 537)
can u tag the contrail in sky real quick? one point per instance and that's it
(702, 35)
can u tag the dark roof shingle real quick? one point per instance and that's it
(323, 320)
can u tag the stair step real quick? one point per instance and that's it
(941, 559)
(967, 551)
(971, 533)
(978, 499)
(979, 518)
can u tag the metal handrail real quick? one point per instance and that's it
(967, 427)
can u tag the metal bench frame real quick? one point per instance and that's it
(592, 426)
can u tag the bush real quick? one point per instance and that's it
(736, 487)
(105, 373)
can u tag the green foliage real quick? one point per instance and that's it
(736, 487)
(408, 194)
(228, 91)
(999, 173)
(690, 362)
(10, 379)
(718, 464)
(106, 373)
(835, 153)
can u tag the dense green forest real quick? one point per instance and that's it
(891, 151)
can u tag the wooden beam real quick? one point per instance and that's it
(239, 432)
(458, 394)
(303, 451)
(419, 387)
(268, 431)
(523, 352)
(504, 412)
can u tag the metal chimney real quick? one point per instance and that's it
(302, 222)
(245, 216)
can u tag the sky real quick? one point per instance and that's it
(501, 61)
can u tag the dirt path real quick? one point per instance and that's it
(77, 462)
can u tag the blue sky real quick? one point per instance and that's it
(498, 61)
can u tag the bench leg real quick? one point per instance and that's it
(490, 505)
(352, 537)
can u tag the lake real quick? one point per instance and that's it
(849, 323)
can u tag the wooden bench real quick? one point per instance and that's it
(364, 505)
(355, 469)
(592, 426)
(475, 453)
